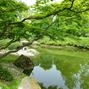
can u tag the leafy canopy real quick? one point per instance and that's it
(45, 18)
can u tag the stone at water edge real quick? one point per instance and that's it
(24, 63)
(29, 83)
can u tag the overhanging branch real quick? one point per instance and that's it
(49, 14)
(72, 3)
(18, 48)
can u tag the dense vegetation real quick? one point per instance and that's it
(64, 23)
(5, 75)
(45, 18)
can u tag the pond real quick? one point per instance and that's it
(53, 77)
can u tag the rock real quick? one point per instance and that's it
(24, 63)
(29, 83)
(33, 51)
(27, 52)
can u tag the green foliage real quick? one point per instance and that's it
(62, 19)
(10, 10)
(58, 26)
(5, 75)
(52, 19)
(4, 42)
(14, 45)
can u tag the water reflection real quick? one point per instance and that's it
(50, 77)
(54, 77)
(77, 81)
(83, 72)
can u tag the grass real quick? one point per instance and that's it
(8, 59)
(11, 85)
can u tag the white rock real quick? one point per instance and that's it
(27, 52)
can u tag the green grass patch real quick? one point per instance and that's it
(8, 59)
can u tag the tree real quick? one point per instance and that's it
(45, 18)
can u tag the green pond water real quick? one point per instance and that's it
(62, 69)
(53, 77)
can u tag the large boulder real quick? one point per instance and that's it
(24, 63)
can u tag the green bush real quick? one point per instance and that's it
(4, 42)
(5, 75)
(14, 45)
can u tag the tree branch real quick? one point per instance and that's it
(40, 16)
(18, 48)
(72, 3)
(87, 9)
(48, 15)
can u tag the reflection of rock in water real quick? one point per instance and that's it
(50, 87)
(25, 63)
(27, 71)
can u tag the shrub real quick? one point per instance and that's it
(14, 45)
(5, 75)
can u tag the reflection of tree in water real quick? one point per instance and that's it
(84, 76)
(81, 78)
